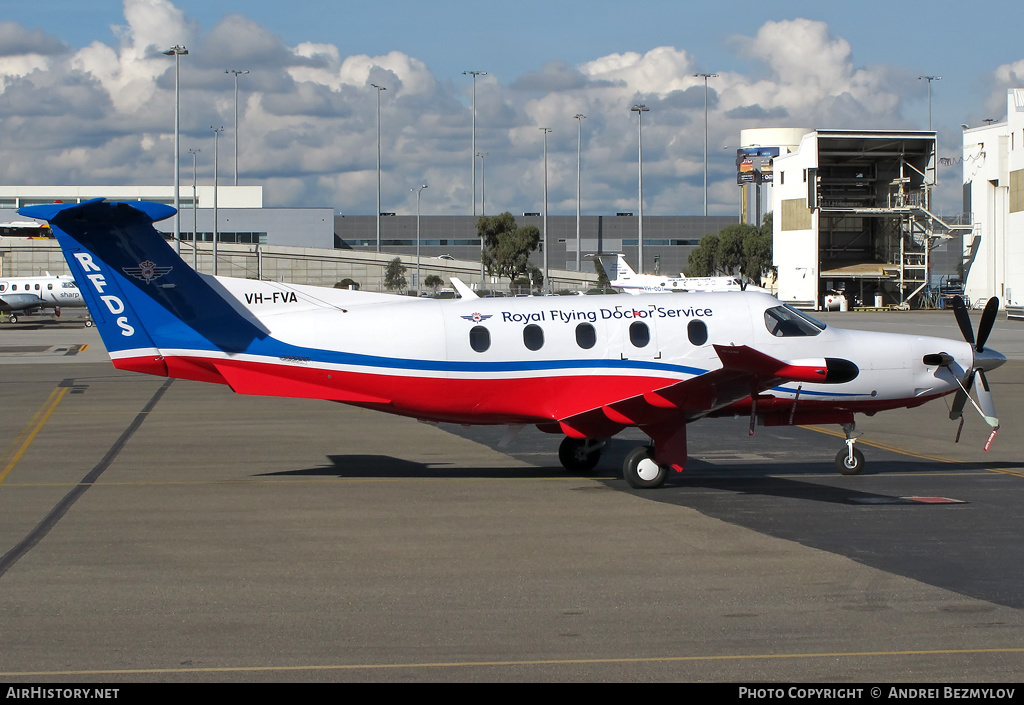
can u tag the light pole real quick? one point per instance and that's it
(379, 89)
(472, 158)
(216, 168)
(544, 242)
(419, 192)
(195, 214)
(706, 76)
(177, 51)
(483, 182)
(237, 73)
(640, 109)
(929, 79)
(580, 117)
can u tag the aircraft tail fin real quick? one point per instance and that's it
(621, 271)
(142, 296)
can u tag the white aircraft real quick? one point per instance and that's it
(586, 367)
(26, 295)
(633, 283)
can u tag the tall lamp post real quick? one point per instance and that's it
(580, 117)
(472, 159)
(483, 182)
(419, 192)
(177, 51)
(544, 241)
(237, 73)
(640, 109)
(195, 214)
(379, 89)
(929, 79)
(706, 76)
(216, 169)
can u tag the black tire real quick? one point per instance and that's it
(88, 323)
(573, 455)
(843, 462)
(13, 318)
(640, 471)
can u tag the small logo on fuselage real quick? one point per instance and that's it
(477, 317)
(146, 271)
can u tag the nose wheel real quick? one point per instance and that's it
(849, 461)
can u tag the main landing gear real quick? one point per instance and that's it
(641, 471)
(580, 454)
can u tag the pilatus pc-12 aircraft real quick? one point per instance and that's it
(583, 367)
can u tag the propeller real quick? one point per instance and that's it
(984, 405)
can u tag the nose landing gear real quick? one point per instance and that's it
(849, 461)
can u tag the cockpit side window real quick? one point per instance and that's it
(786, 322)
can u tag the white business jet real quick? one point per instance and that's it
(632, 283)
(27, 295)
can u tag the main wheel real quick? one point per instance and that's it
(579, 454)
(845, 466)
(641, 471)
(12, 318)
(88, 323)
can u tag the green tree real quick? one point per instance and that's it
(602, 276)
(703, 260)
(394, 275)
(346, 283)
(507, 248)
(736, 249)
(730, 247)
(757, 252)
(433, 282)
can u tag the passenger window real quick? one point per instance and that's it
(697, 332)
(479, 339)
(37, 287)
(639, 334)
(533, 337)
(49, 287)
(586, 336)
(3, 287)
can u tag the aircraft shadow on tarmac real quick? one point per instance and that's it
(388, 467)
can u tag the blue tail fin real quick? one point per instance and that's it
(140, 293)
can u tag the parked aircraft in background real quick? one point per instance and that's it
(633, 283)
(27, 295)
(585, 367)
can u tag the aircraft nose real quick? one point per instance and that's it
(989, 359)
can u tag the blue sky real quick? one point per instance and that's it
(93, 109)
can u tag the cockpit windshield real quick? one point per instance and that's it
(786, 322)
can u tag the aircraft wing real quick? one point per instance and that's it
(744, 372)
(19, 302)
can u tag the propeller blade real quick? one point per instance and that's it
(960, 400)
(963, 319)
(988, 408)
(988, 318)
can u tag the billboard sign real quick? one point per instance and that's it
(755, 165)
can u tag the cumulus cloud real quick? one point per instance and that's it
(104, 114)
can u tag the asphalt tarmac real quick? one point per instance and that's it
(171, 531)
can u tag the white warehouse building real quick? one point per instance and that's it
(993, 169)
(852, 214)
